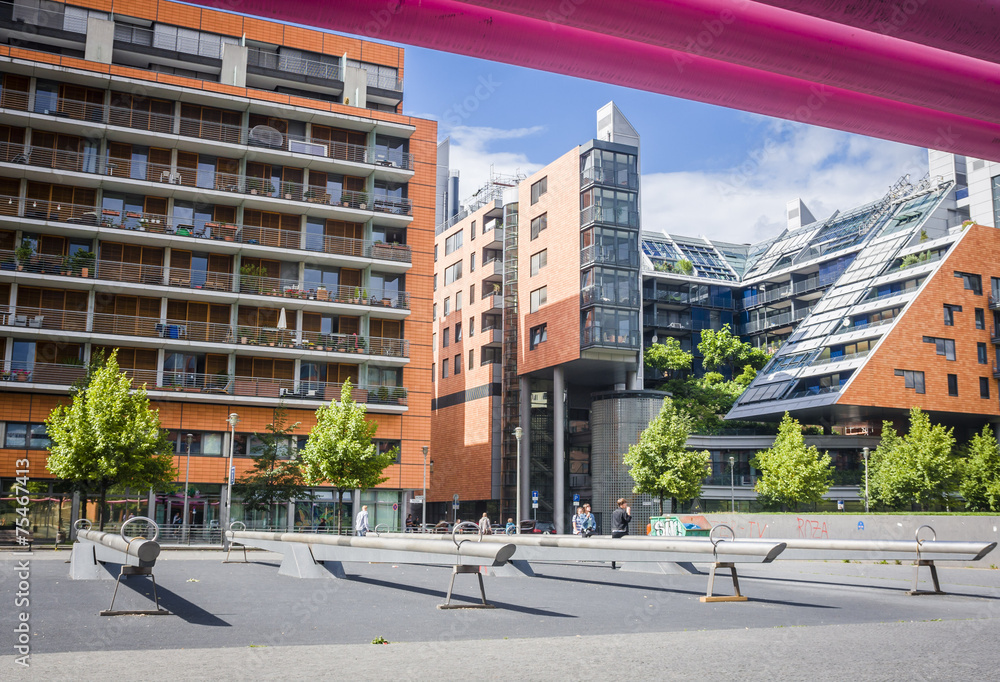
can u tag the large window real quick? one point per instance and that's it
(539, 261)
(452, 243)
(973, 283)
(538, 189)
(609, 206)
(539, 297)
(945, 347)
(202, 443)
(539, 335)
(453, 273)
(912, 379)
(538, 224)
(21, 436)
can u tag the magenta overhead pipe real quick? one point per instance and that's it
(777, 40)
(467, 29)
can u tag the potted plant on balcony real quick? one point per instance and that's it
(250, 276)
(65, 268)
(397, 394)
(684, 266)
(23, 254)
(357, 295)
(383, 395)
(82, 262)
(5, 376)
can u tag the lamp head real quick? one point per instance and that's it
(517, 432)
(425, 448)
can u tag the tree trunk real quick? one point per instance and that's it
(100, 509)
(661, 504)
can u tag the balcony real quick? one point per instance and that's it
(840, 358)
(494, 304)
(862, 326)
(343, 294)
(610, 338)
(273, 337)
(494, 337)
(804, 286)
(190, 383)
(813, 391)
(267, 63)
(775, 321)
(599, 294)
(492, 272)
(994, 301)
(178, 46)
(609, 216)
(47, 264)
(624, 179)
(667, 322)
(600, 255)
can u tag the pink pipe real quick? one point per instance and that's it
(780, 41)
(466, 29)
(968, 27)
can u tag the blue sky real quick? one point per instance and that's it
(706, 170)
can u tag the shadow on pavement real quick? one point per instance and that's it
(171, 601)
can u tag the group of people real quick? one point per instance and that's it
(584, 523)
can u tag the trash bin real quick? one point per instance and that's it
(680, 526)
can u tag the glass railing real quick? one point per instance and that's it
(839, 358)
(598, 294)
(595, 254)
(665, 322)
(201, 45)
(862, 326)
(595, 336)
(609, 216)
(812, 391)
(622, 178)
(29, 14)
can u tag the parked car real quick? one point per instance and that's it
(532, 526)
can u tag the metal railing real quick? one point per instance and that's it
(815, 390)
(224, 384)
(804, 286)
(275, 61)
(597, 294)
(14, 99)
(622, 178)
(863, 326)
(666, 322)
(592, 254)
(383, 81)
(318, 341)
(593, 336)
(839, 358)
(609, 216)
(47, 264)
(771, 321)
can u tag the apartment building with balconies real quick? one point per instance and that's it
(237, 206)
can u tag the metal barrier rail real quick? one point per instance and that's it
(136, 555)
(311, 555)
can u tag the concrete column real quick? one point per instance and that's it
(100, 40)
(291, 516)
(151, 504)
(558, 448)
(524, 456)
(234, 65)
(355, 86)
(74, 514)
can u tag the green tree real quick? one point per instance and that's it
(918, 467)
(340, 450)
(724, 349)
(668, 357)
(791, 471)
(981, 482)
(275, 477)
(661, 464)
(109, 437)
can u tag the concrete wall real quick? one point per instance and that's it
(866, 527)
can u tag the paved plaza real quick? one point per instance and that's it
(804, 620)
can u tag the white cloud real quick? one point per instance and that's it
(473, 154)
(828, 169)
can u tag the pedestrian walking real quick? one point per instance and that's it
(361, 522)
(620, 519)
(484, 525)
(578, 519)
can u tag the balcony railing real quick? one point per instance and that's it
(863, 326)
(275, 61)
(137, 119)
(47, 264)
(287, 288)
(223, 384)
(595, 254)
(595, 336)
(839, 358)
(186, 227)
(666, 322)
(33, 16)
(772, 321)
(813, 391)
(599, 294)
(806, 285)
(318, 341)
(622, 178)
(609, 216)
(201, 45)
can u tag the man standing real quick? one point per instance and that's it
(361, 523)
(620, 520)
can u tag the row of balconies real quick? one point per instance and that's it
(106, 165)
(774, 321)
(184, 278)
(612, 215)
(76, 322)
(614, 338)
(789, 289)
(607, 255)
(188, 383)
(169, 226)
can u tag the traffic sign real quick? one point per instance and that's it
(454, 505)
(576, 498)
(232, 475)
(534, 496)
(395, 507)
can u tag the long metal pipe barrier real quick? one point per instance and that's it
(314, 555)
(135, 555)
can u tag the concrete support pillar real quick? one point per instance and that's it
(558, 448)
(524, 456)
(100, 40)
(151, 504)
(291, 516)
(355, 86)
(74, 514)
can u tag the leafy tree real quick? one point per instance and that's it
(668, 357)
(109, 437)
(660, 463)
(791, 471)
(918, 467)
(724, 349)
(340, 450)
(981, 483)
(275, 476)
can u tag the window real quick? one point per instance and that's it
(912, 379)
(433, 372)
(539, 335)
(446, 337)
(458, 300)
(984, 387)
(472, 358)
(435, 311)
(452, 243)
(472, 294)
(490, 356)
(472, 262)
(949, 314)
(973, 283)
(980, 319)
(538, 298)
(472, 326)
(981, 353)
(444, 368)
(458, 365)
(23, 436)
(538, 189)
(538, 224)
(458, 332)
(953, 384)
(435, 282)
(208, 443)
(435, 253)
(472, 231)
(945, 347)
(453, 273)
(384, 446)
(539, 261)
(447, 306)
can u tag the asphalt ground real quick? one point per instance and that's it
(804, 620)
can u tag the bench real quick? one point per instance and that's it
(8, 536)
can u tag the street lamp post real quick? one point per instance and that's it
(732, 484)
(517, 437)
(187, 476)
(423, 497)
(233, 420)
(865, 452)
